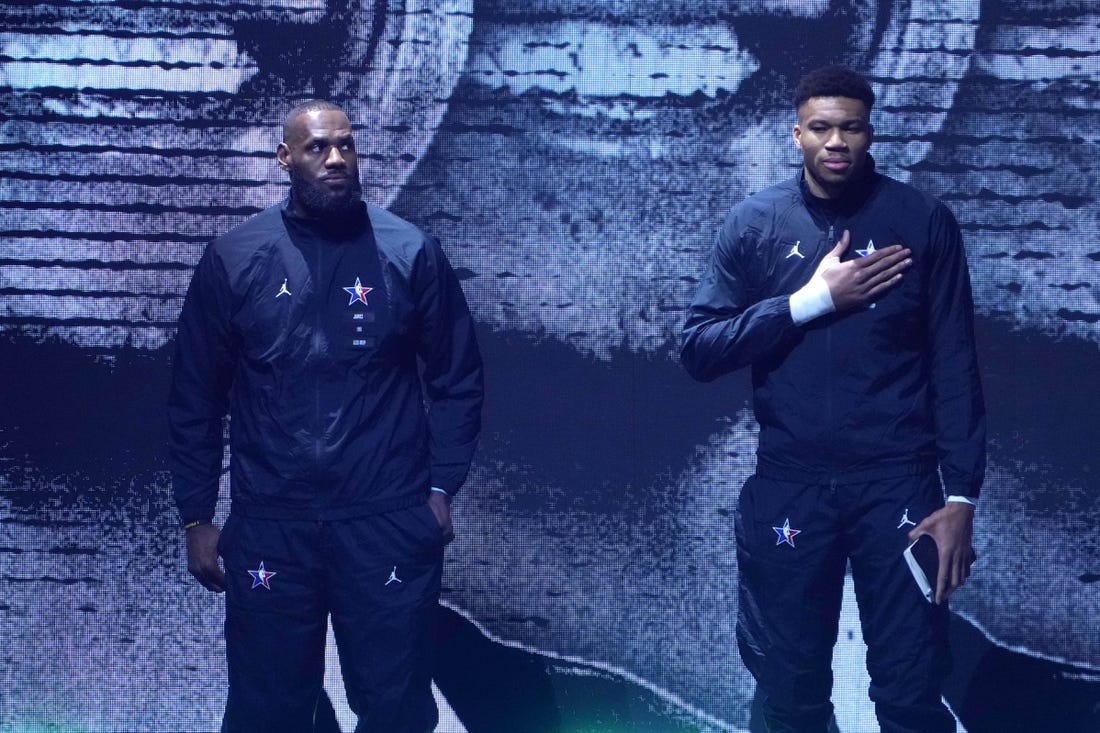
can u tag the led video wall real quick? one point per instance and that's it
(576, 160)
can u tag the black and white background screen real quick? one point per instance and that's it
(576, 159)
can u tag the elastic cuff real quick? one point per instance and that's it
(959, 499)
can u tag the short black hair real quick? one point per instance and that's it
(311, 105)
(834, 81)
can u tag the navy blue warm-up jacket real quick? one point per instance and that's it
(889, 389)
(348, 366)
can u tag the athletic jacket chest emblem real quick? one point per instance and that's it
(865, 252)
(358, 292)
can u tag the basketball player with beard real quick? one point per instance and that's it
(336, 337)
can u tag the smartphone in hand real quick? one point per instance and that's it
(923, 559)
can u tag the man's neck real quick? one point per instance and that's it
(841, 195)
(825, 192)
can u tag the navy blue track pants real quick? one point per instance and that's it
(377, 576)
(794, 541)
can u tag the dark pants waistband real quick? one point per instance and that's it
(361, 509)
(845, 476)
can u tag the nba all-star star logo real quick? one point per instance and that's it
(358, 292)
(261, 576)
(865, 252)
(786, 534)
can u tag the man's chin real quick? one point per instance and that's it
(342, 209)
(835, 182)
(831, 177)
(326, 205)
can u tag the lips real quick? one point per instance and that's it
(837, 165)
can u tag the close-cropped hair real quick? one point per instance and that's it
(834, 81)
(311, 105)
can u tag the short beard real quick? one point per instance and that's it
(321, 202)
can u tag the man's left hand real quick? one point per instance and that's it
(952, 527)
(440, 504)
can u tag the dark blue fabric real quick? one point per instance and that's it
(790, 599)
(340, 406)
(379, 578)
(877, 388)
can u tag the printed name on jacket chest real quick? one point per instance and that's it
(350, 313)
(360, 317)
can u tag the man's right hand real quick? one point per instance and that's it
(859, 281)
(202, 557)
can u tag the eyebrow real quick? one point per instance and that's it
(334, 137)
(840, 123)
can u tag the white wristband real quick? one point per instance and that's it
(811, 301)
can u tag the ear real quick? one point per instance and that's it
(282, 153)
(797, 133)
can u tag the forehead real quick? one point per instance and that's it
(832, 109)
(318, 123)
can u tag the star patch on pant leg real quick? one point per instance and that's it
(261, 576)
(786, 534)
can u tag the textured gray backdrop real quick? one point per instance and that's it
(576, 160)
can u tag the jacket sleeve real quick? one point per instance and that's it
(959, 406)
(729, 324)
(198, 398)
(451, 369)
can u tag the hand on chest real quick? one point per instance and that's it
(793, 260)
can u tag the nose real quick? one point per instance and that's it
(335, 158)
(836, 139)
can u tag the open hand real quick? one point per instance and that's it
(859, 281)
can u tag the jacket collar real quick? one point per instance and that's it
(334, 229)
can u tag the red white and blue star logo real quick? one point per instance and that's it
(358, 292)
(786, 534)
(261, 576)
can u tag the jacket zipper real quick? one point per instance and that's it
(830, 243)
(316, 349)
